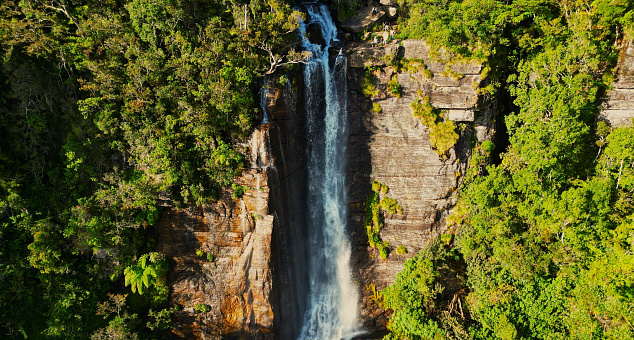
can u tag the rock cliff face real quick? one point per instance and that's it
(247, 286)
(393, 148)
(257, 285)
(618, 109)
(238, 232)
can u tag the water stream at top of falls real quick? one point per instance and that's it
(332, 299)
(264, 92)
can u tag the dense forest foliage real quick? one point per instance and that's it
(107, 105)
(543, 241)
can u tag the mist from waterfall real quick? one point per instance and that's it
(332, 300)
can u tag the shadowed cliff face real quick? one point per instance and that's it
(288, 203)
(393, 148)
(256, 286)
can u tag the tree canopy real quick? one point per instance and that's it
(106, 105)
(545, 236)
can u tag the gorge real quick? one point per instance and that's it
(332, 169)
(283, 249)
(284, 272)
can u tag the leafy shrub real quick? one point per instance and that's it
(369, 84)
(443, 137)
(424, 111)
(222, 158)
(487, 146)
(200, 253)
(211, 257)
(401, 250)
(416, 65)
(283, 80)
(374, 216)
(384, 249)
(161, 320)
(449, 72)
(412, 297)
(446, 238)
(238, 190)
(394, 87)
(442, 134)
(202, 308)
(390, 206)
(376, 108)
(379, 187)
(458, 213)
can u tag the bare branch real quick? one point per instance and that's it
(62, 8)
(293, 57)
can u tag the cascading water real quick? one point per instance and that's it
(264, 92)
(332, 302)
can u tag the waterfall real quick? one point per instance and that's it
(264, 92)
(332, 301)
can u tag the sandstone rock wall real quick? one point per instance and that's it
(257, 285)
(618, 108)
(250, 285)
(394, 148)
(238, 232)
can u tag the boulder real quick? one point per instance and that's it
(313, 32)
(364, 19)
(392, 13)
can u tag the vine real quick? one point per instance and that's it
(375, 206)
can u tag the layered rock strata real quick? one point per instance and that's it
(249, 286)
(257, 285)
(393, 147)
(238, 232)
(618, 108)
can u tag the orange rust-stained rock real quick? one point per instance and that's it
(237, 284)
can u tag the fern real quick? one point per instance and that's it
(143, 274)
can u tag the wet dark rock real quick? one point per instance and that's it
(314, 34)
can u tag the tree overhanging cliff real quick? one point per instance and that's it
(543, 240)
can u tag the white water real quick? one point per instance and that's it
(332, 304)
(264, 92)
